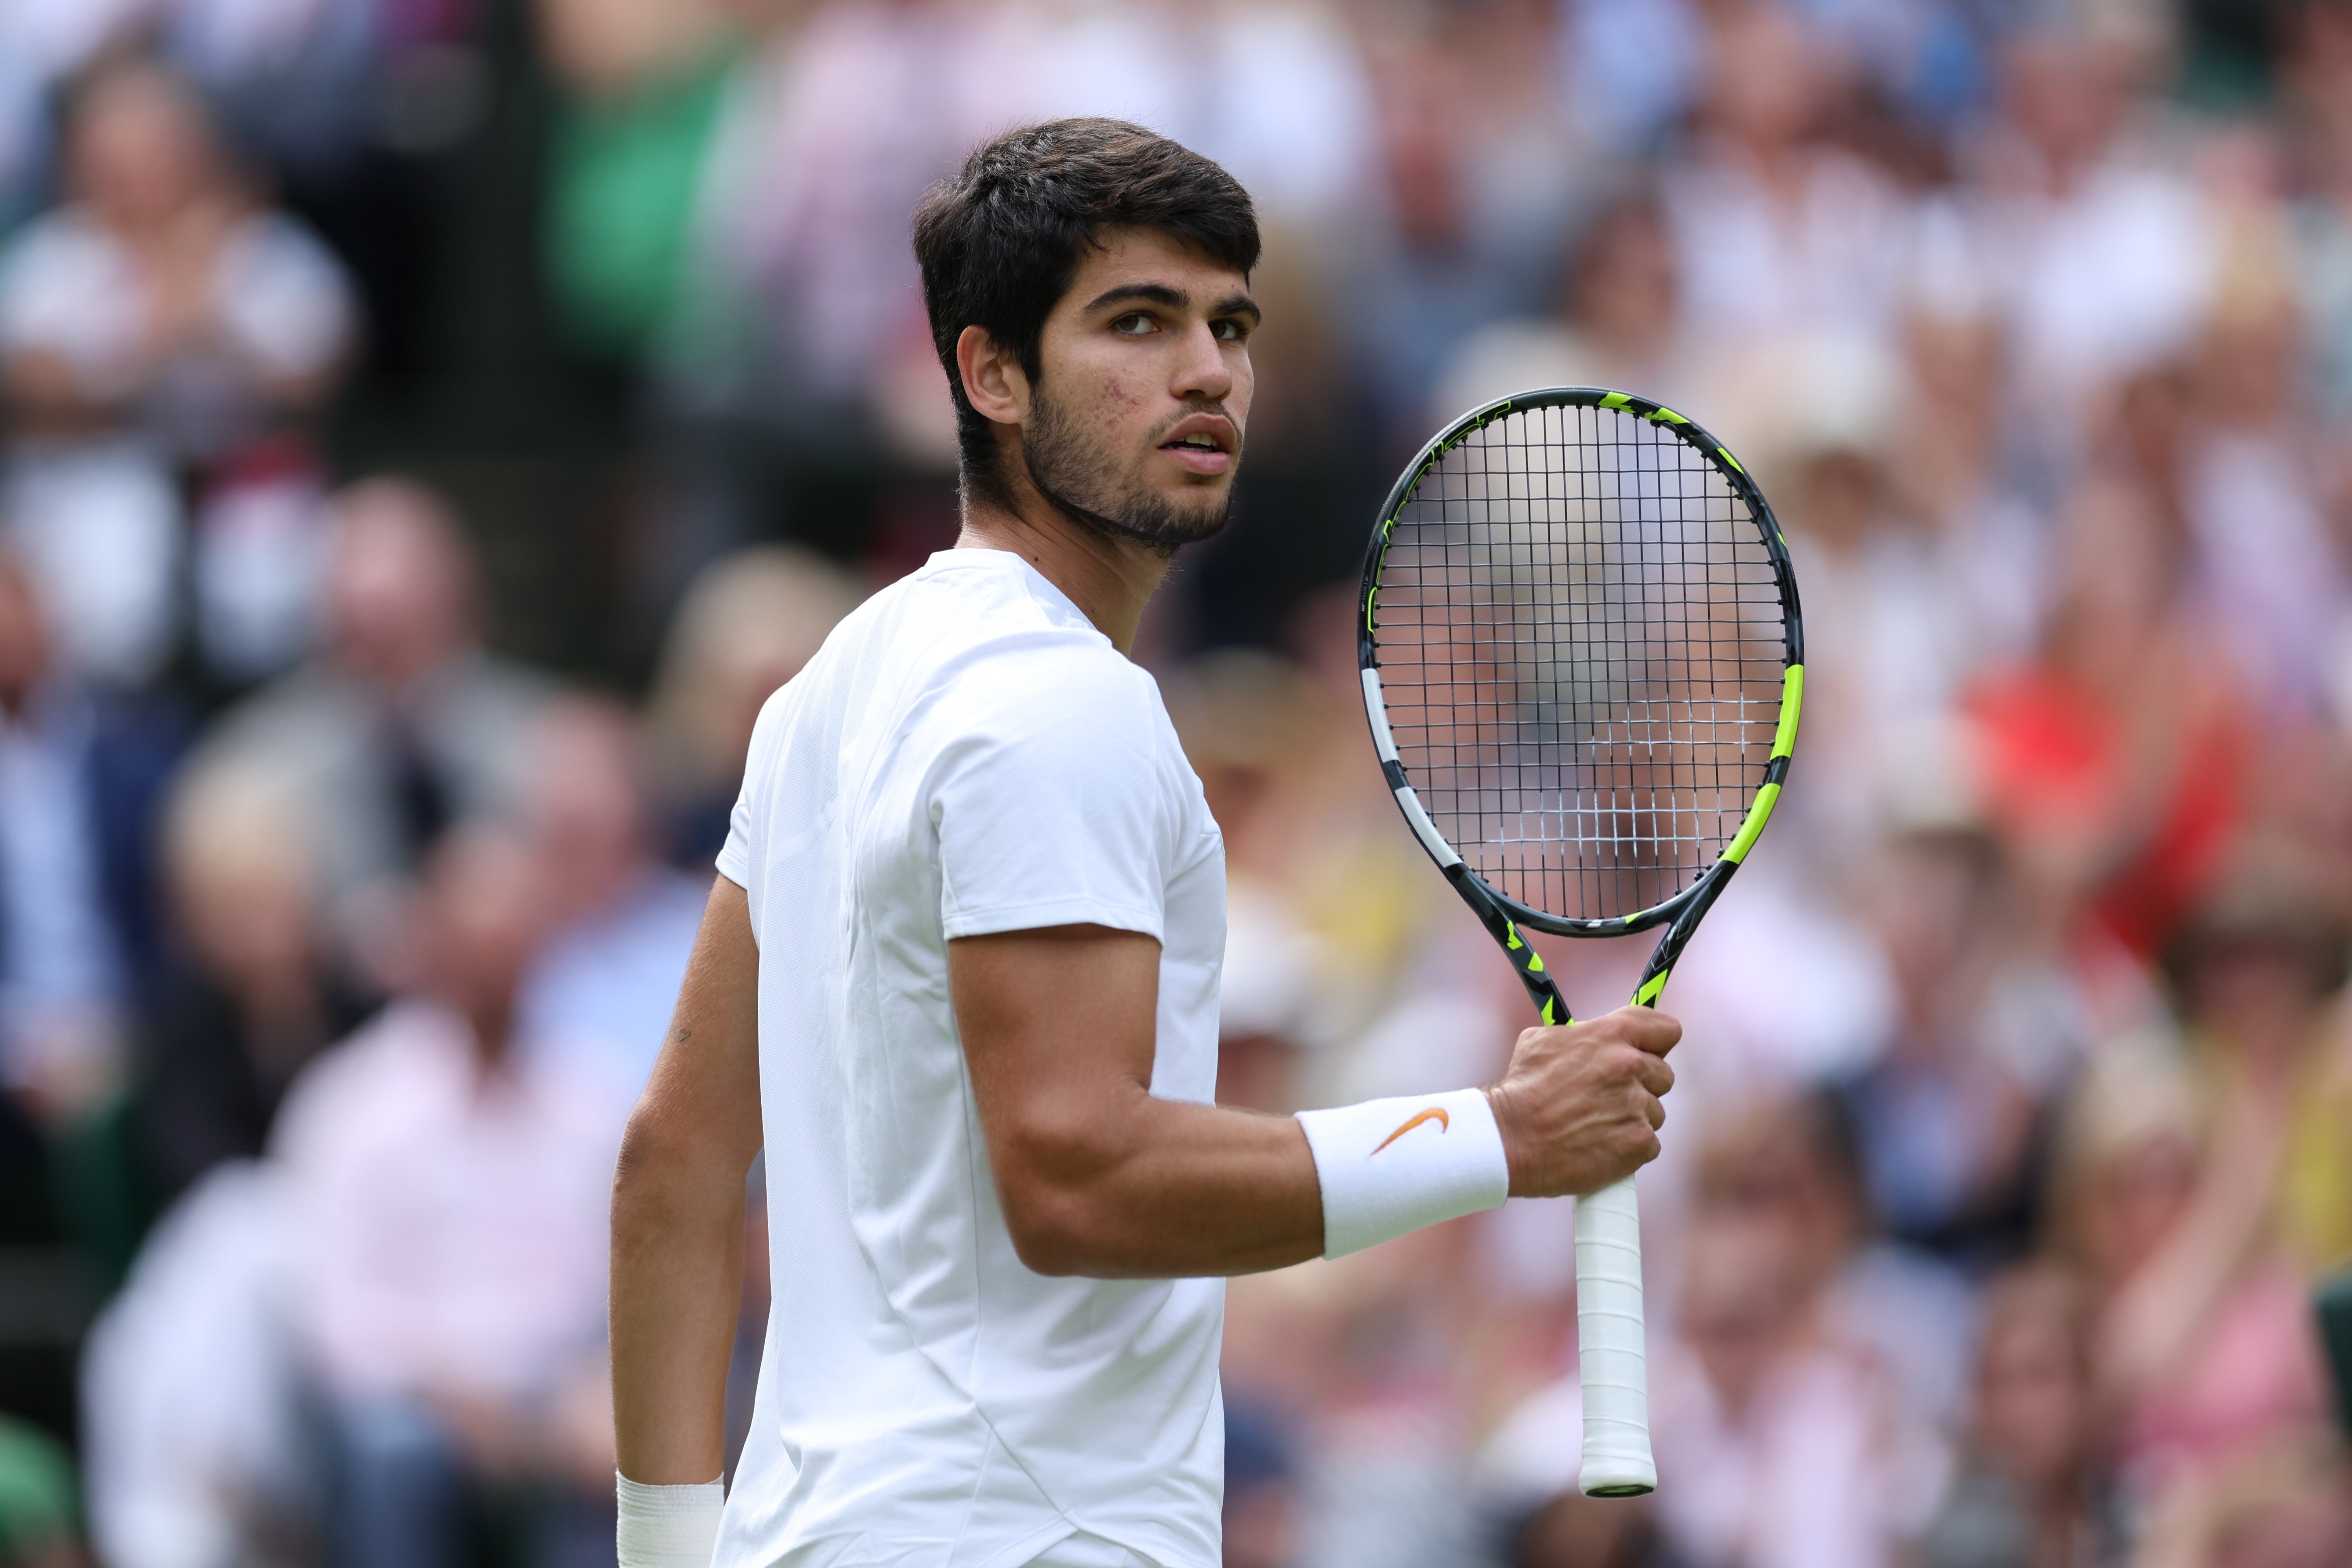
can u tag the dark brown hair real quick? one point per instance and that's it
(999, 242)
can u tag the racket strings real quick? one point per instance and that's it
(1581, 639)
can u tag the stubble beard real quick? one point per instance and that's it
(1079, 478)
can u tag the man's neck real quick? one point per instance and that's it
(1110, 579)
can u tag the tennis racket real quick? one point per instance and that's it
(1583, 661)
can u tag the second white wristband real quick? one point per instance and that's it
(668, 1526)
(1389, 1166)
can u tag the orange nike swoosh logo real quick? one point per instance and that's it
(1434, 1114)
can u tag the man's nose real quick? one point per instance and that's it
(1202, 370)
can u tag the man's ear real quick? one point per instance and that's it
(993, 379)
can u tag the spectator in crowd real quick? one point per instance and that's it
(2288, 1507)
(448, 1191)
(1478, 180)
(2270, 569)
(1907, 1311)
(1241, 717)
(1618, 323)
(164, 298)
(603, 989)
(2112, 763)
(1796, 1444)
(292, 79)
(2103, 247)
(40, 45)
(162, 316)
(642, 89)
(1261, 1494)
(2256, 972)
(747, 626)
(2316, 71)
(2032, 1492)
(37, 1502)
(1883, 629)
(254, 993)
(1958, 479)
(1777, 233)
(82, 775)
(197, 1443)
(845, 119)
(1310, 828)
(1792, 1440)
(2206, 1349)
(403, 726)
(1950, 1116)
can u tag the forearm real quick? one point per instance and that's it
(677, 1213)
(1098, 1176)
(2168, 1299)
(677, 1262)
(1170, 1190)
(45, 395)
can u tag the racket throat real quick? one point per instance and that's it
(1551, 1008)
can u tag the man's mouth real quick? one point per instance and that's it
(1202, 445)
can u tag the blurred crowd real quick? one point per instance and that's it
(429, 429)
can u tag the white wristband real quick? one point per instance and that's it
(669, 1527)
(1389, 1166)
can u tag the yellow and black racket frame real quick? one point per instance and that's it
(1502, 914)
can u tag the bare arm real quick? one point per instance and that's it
(1098, 1177)
(45, 395)
(677, 1212)
(2162, 1305)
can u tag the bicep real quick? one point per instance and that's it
(1094, 1175)
(1059, 1030)
(704, 1094)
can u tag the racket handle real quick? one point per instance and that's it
(1613, 1360)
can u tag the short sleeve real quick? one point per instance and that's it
(738, 858)
(64, 292)
(286, 300)
(1053, 807)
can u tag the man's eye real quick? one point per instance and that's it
(1133, 325)
(1231, 331)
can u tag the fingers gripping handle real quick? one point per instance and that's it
(1611, 1357)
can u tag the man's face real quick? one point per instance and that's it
(1136, 425)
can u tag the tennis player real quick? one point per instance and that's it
(959, 973)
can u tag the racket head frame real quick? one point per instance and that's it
(1502, 914)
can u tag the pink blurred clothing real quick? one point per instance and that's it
(2253, 1374)
(1825, 1468)
(448, 1225)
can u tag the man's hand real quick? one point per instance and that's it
(1579, 1107)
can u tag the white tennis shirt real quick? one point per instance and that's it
(967, 754)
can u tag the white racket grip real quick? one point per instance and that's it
(1613, 1359)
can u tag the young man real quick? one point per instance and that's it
(959, 970)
